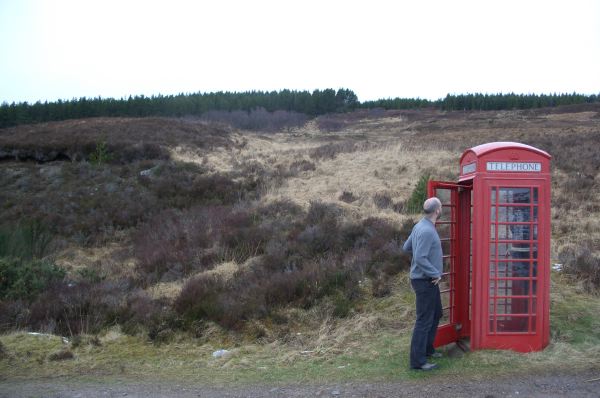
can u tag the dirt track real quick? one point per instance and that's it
(583, 385)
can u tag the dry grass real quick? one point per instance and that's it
(370, 345)
(170, 290)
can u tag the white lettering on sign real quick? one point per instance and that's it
(518, 167)
(469, 168)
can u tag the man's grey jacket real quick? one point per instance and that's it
(426, 248)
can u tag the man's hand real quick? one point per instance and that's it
(436, 281)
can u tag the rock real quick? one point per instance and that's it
(149, 172)
(220, 353)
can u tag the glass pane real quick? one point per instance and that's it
(517, 250)
(513, 232)
(513, 213)
(520, 232)
(493, 195)
(492, 288)
(511, 250)
(512, 269)
(534, 289)
(535, 214)
(509, 287)
(446, 246)
(514, 195)
(534, 269)
(512, 306)
(519, 269)
(535, 232)
(492, 269)
(444, 320)
(504, 288)
(443, 195)
(534, 250)
(446, 262)
(520, 288)
(492, 250)
(512, 324)
(443, 230)
(493, 232)
(535, 195)
(446, 312)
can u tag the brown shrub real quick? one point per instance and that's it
(72, 309)
(178, 242)
(347, 197)
(383, 200)
(199, 297)
(302, 165)
(183, 185)
(583, 262)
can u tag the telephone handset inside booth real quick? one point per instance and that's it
(454, 229)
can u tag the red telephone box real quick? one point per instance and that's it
(495, 232)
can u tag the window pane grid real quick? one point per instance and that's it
(513, 265)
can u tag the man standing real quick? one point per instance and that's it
(425, 274)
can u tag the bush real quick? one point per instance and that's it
(298, 259)
(25, 279)
(383, 200)
(195, 239)
(199, 298)
(583, 262)
(414, 205)
(184, 185)
(69, 308)
(347, 197)
(177, 242)
(101, 155)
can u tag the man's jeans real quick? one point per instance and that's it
(429, 312)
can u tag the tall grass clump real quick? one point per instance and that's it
(27, 240)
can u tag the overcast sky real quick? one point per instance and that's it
(62, 49)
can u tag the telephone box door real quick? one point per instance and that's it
(454, 229)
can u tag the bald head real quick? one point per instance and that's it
(431, 205)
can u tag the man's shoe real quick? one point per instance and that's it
(436, 355)
(427, 366)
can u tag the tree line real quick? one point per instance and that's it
(484, 102)
(318, 102)
(313, 104)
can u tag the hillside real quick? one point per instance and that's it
(284, 246)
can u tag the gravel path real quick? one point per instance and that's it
(583, 385)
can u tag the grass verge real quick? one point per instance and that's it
(371, 345)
